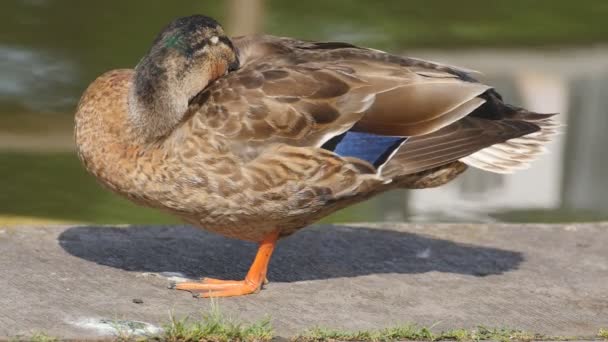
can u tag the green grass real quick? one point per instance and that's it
(214, 326)
(35, 337)
(42, 337)
(417, 333)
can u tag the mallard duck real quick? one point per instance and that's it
(257, 137)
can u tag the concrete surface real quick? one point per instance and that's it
(75, 282)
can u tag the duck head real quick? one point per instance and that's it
(185, 57)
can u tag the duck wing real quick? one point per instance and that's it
(357, 102)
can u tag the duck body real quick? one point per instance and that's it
(262, 135)
(198, 176)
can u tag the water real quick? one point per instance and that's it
(50, 50)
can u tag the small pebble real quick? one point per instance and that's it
(138, 301)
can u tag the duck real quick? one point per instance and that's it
(257, 137)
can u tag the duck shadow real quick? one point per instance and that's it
(314, 253)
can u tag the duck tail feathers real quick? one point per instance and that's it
(516, 153)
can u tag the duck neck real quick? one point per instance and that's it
(156, 102)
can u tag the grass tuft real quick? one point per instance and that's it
(214, 326)
(415, 333)
(603, 333)
(42, 337)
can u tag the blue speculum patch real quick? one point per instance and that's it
(373, 148)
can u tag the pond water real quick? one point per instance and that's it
(50, 50)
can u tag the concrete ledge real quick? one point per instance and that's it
(549, 279)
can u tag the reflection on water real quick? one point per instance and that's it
(46, 64)
(36, 80)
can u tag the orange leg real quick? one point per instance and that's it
(209, 287)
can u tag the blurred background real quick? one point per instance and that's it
(546, 55)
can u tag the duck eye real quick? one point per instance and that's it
(214, 40)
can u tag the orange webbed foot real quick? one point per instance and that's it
(219, 288)
(256, 277)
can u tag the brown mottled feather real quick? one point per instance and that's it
(246, 158)
(329, 91)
